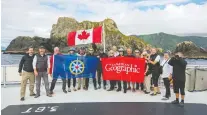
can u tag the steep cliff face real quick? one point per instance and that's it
(190, 50)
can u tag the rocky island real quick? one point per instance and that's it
(64, 25)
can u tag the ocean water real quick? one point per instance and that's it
(14, 59)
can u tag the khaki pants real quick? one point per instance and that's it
(83, 80)
(147, 84)
(25, 77)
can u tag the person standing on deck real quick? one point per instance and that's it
(112, 82)
(137, 55)
(28, 73)
(91, 53)
(147, 78)
(41, 66)
(129, 54)
(71, 52)
(121, 54)
(178, 75)
(154, 61)
(100, 69)
(166, 75)
(56, 75)
(81, 54)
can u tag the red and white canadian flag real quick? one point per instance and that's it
(93, 35)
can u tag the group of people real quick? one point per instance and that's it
(169, 69)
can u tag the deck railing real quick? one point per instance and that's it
(10, 75)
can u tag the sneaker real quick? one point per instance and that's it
(49, 95)
(64, 91)
(32, 94)
(74, 89)
(133, 90)
(175, 102)
(153, 94)
(69, 90)
(22, 99)
(181, 104)
(118, 90)
(37, 96)
(165, 98)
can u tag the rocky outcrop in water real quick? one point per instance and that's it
(190, 50)
(64, 25)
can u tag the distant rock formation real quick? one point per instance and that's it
(58, 36)
(190, 50)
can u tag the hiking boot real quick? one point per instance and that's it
(22, 99)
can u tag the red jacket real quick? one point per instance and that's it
(51, 63)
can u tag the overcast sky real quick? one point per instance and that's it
(35, 17)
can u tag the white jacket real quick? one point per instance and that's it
(167, 69)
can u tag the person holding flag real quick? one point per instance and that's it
(121, 54)
(129, 54)
(71, 52)
(112, 82)
(81, 54)
(56, 74)
(137, 55)
(91, 53)
(100, 69)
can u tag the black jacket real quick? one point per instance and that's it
(101, 55)
(26, 63)
(179, 67)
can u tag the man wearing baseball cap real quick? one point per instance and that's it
(41, 66)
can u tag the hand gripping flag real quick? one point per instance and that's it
(75, 66)
(124, 69)
(93, 35)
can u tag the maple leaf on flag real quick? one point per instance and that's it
(84, 35)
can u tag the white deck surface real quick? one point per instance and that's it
(11, 96)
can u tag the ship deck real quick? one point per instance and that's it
(11, 96)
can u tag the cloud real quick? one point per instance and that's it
(35, 17)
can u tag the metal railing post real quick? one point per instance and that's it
(4, 76)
